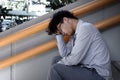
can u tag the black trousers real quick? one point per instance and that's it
(63, 72)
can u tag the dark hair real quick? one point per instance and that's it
(58, 18)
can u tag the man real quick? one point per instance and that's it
(85, 56)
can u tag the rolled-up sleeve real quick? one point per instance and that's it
(64, 49)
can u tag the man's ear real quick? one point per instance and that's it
(65, 19)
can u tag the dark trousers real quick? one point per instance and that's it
(63, 72)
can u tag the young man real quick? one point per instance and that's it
(85, 56)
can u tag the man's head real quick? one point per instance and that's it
(63, 22)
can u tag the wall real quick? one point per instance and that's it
(36, 68)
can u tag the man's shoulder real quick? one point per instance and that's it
(86, 24)
(86, 27)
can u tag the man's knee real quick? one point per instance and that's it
(56, 59)
(54, 73)
(57, 66)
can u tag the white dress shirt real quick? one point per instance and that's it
(87, 47)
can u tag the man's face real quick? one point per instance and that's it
(66, 28)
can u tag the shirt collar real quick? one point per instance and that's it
(78, 25)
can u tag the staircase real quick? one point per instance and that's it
(29, 40)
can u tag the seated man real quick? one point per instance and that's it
(85, 56)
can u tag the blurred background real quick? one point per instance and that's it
(15, 12)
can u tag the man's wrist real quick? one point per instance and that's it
(60, 62)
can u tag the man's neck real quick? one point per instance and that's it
(75, 22)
